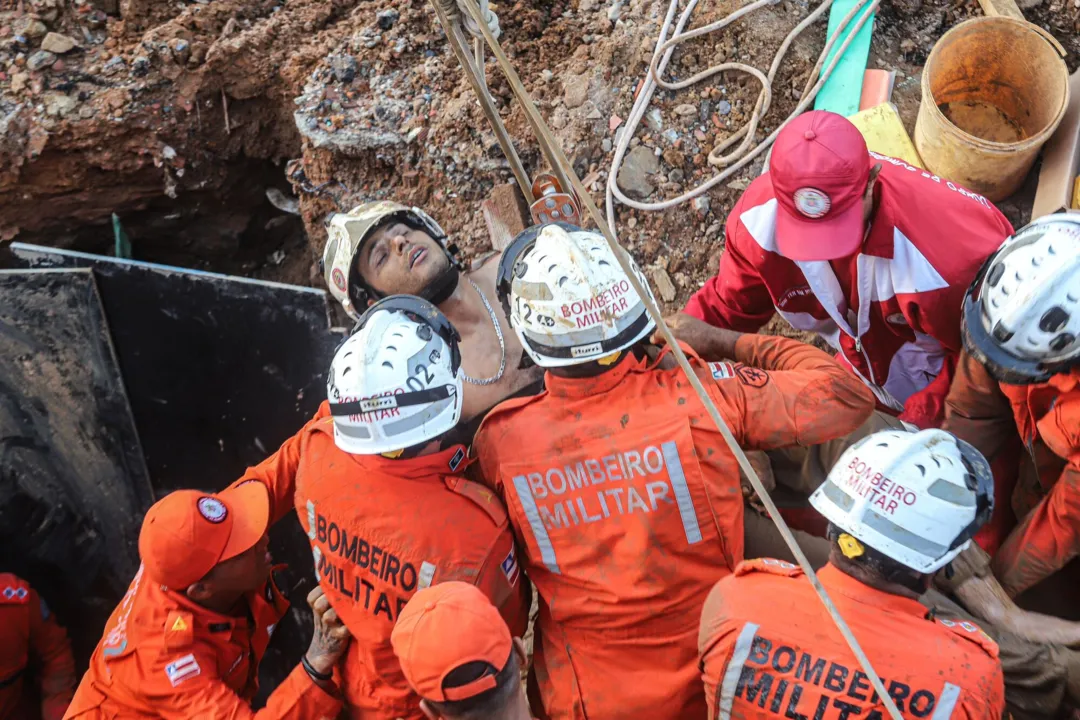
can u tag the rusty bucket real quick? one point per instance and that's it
(994, 89)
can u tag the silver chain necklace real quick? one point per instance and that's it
(502, 345)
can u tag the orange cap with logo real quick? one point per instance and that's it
(188, 532)
(444, 627)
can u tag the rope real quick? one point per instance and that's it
(450, 17)
(559, 161)
(743, 155)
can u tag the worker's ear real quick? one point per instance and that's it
(199, 591)
(522, 654)
(429, 711)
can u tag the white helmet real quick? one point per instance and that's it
(915, 497)
(345, 235)
(567, 298)
(1022, 313)
(395, 383)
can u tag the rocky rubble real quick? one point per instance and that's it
(180, 117)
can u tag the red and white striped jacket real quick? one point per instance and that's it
(893, 309)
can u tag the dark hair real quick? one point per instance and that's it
(880, 565)
(488, 703)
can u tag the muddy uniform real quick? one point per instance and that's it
(164, 656)
(382, 529)
(627, 506)
(1036, 674)
(1045, 463)
(769, 650)
(32, 642)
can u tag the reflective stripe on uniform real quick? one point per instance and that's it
(543, 541)
(946, 702)
(682, 492)
(734, 670)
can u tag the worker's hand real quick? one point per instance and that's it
(763, 467)
(711, 343)
(331, 637)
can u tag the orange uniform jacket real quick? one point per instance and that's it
(1046, 418)
(627, 506)
(382, 529)
(164, 656)
(31, 639)
(769, 650)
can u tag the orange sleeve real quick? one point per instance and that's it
(278, 472)
(976, 411)
(1046, 540)
(716, 637)
(503, 581)
(791, 393)
(297, 698)
(55, 663)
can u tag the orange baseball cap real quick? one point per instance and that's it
(444, 627)
(188, 532)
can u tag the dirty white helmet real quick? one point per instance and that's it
(396, 382)
(1022, 314)
(915, 497)
(567, 298)
(345, 234)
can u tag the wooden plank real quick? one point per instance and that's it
(885, 134)
(505, 215)
(1061, 159)
(1006, 8)
(842, 91)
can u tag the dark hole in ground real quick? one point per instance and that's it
(232, 229)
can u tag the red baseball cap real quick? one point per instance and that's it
(444, 627)
(819, 169)
(187, 532)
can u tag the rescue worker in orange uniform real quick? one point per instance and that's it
(187, 639)
(900, 506)
(1020, 377)
(458, 654)
(385, 505)
(624, 497)
(32, 643)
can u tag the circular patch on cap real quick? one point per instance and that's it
(339, 279)
(811, 202)
(212, 509)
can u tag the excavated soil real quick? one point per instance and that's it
(221, 132)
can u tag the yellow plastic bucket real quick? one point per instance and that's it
(994, 89)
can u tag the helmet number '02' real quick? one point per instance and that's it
(415, 383)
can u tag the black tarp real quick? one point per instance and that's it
(219, 371)
(72, 476)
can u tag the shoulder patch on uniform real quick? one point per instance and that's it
(182, 669)
(721, 370)
(752, 376)
(973, 633)
(14, 591)
(510, 567)
(179, 630)
(768, 565)
(481, 496)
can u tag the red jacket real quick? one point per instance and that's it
(627, 505)
(31, 641)
(382, 529)
(894, 314)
